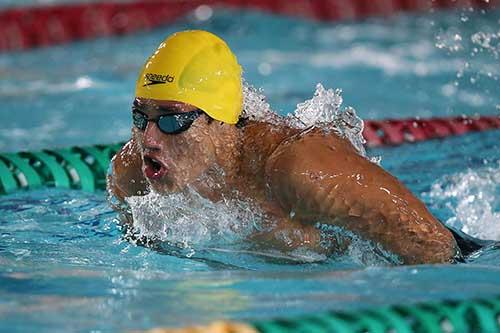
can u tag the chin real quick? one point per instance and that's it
(163, 187)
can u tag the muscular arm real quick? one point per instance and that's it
(285, 234)
(321, 177)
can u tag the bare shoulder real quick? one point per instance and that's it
(264, 137)
(316, 164)
(126, 178)
(260, 139)
(318, 151)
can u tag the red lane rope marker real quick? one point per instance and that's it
(28, 27)
(398, 131)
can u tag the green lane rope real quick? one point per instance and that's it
(83, 168)
(469, 316)
(49, 169)
(7, 181)
(30, 177)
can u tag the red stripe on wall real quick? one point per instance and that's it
(29, 27)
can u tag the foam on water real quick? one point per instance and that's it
(186, 224)
(188, 221)
(472, 196)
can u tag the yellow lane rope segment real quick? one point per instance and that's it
(215, 327)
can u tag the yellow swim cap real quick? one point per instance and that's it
(198, 68)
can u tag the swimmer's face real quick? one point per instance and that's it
(170, 162)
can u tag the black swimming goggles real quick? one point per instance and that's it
(171, 123)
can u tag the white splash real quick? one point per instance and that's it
(488, 41)
(324, 110)
(472, 197)
(188, 221)
(319, 110)
(255, 105)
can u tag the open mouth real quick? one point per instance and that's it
(153, 169)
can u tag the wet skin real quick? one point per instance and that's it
(297, 178)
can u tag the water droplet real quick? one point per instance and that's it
(203, 13)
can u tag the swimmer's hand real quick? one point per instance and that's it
(283, 233)
(126, 178)
(285, 236)
(320, 177)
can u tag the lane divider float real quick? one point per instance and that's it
(478, 316)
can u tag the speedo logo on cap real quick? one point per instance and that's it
(158, 79)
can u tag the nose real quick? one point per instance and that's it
(151, 138)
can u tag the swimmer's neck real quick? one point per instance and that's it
(241, 159)
(217, 182)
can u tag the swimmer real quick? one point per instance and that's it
(189, 132)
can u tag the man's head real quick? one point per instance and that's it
(188, 97)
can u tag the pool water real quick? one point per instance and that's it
(64, 264)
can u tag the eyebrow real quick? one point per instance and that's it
(137, 105)
(164, 109)
(169, 109)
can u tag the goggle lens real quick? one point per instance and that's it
(140, 120)
(169, 124)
